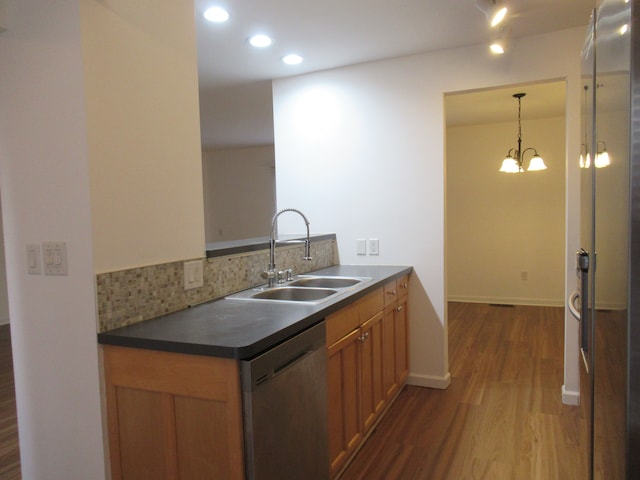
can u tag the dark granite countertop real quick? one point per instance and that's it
(242, 329)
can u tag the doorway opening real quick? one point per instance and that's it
(505, 235)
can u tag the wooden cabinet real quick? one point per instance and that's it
(395, 335)
(368, 363)
(173, 416)
(343, 386)
(373, 398)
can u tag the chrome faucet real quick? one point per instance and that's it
(272, 274)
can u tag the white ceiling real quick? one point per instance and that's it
(235, 87)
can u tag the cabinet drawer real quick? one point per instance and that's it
(403, 286)
(342, 322)
(370, 304)
(390, 292)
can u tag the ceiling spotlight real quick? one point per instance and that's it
(260, 41)
(292, 59)
(494, 10)
(216, 14)
(497, 48)
(500, 43)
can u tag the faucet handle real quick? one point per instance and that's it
(289, 273)
(268, 274)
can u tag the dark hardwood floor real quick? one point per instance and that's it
(9, 450)
(502, 416)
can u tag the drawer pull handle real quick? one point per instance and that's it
(364, 336)
(405, 285)
(391, 292)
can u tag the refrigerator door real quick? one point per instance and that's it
(587, 238)
(610, 279)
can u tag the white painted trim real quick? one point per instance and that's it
(570, 397)
(429, 381)
(542, 302)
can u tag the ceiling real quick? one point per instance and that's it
(235, 78)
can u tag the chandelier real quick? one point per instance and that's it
(513, 162)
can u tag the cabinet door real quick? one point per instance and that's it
(343, 389)
(389, 352)
(373, 395)
(173, 415)
(401, 338)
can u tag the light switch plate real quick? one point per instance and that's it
(54, 258)
(34, 259)
(361, 246)
(193, 274)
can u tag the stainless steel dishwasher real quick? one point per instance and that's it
(284, 396)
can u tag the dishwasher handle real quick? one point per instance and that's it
(275, 361)
(287, 363)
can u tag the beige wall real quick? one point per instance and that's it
(239, 192)
(141, 86)
(501, 225)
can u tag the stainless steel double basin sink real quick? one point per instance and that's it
(303, 288)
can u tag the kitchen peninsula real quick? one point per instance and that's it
(174, 384)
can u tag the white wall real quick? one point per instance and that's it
(4, 300)
(143, 129)
(239, 192)
(45, 196)
(99, 146)
(360, 150)
(500, 225)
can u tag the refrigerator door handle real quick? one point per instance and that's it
(582, 257)
(575, 297)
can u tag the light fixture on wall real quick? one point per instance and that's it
(495, 10)
(513, 162)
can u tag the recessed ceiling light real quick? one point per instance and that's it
(292, 59)
(496, 48)
(260, 41)
(216, 14)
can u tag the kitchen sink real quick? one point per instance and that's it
(285, 294)
(294, 294)
(326, 282)
(303, 289)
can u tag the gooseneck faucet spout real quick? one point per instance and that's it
(271, 273)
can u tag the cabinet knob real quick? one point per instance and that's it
(364, 336)
(399, 308)
(404, 285)
(391, 292)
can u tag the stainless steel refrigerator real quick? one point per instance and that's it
(608, 264)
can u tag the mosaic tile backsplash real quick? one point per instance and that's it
(130, 296)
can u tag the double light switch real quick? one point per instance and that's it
(52, 258)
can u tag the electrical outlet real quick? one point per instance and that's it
(374, 246)
(193, 274)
